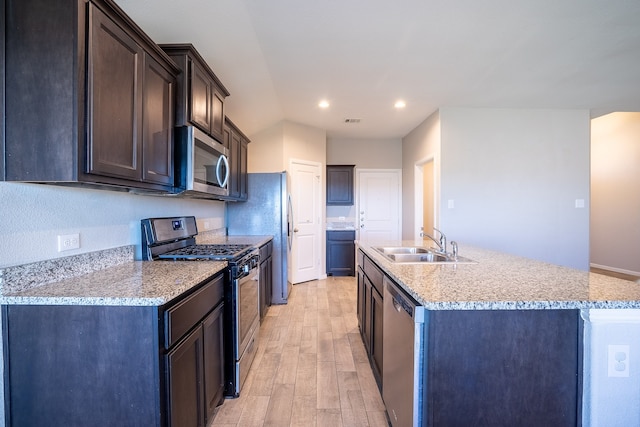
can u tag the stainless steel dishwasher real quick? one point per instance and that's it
(402, 356)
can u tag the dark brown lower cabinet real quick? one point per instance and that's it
(72, 365)
(370, 313)
(341, 252)
(213, 333)
(266, 277)
(185, 385)
(195, 373)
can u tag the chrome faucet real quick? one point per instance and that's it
(442, 243)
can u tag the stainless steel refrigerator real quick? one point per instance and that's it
(266, 212)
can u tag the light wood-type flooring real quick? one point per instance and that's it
(311, 368)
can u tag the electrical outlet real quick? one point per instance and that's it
(67, 242)
(618, 361)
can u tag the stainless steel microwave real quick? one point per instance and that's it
(202, 165)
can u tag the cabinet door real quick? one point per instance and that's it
(242, 170)
(266, 285)
(158, 123)
(376, 319)
(184, 381)
(201, 94)
(212, 329)
(217, 114)
(340, 185)
(269, 286)
(366, 313)
(234, 176)
(341, 253)
(114, 105)
(360, 307)
(264, 269)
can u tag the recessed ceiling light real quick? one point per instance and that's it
(400, 104)
(323, 104)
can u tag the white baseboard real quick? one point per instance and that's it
(617, 270)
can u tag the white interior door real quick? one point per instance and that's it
(305, 199)
(379, 204)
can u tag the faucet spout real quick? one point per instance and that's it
(442, 242)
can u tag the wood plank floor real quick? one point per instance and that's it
(311, 368)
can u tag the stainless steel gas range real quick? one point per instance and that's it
(173, 239)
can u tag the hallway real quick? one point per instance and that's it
(311, 367)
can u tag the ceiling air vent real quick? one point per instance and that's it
(352, 120)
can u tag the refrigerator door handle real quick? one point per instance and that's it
(289, 221)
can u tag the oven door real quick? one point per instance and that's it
(247, 307)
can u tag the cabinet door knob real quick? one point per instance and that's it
(295, 230)
(361, 225)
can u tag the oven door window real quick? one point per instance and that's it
(248, 303)
(209, 166)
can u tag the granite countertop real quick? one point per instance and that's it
(136, 283)
(500, 281)
(111, 277)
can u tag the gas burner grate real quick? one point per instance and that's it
(220, 251)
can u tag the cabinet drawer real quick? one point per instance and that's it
(374, 274)
(341, 235)
(266, 250)
(181, 317)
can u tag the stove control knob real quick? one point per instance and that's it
(245, 268)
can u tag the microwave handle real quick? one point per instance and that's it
(223, 182)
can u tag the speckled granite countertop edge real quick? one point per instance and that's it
(505, 282)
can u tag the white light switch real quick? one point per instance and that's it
(451, 204)
(579, 203)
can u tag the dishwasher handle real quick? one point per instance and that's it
(400, 301)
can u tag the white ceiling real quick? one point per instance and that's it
(279, 58)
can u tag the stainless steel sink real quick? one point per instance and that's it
(418, 254)
(403, 250)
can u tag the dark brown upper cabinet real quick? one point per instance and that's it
(90, 103)
(238, 145)
(340, 185)
(200, 94)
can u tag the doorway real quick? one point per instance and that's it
(307, 221)
(379, 204)
(426, 206)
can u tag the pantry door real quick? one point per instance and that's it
(307, 216)
(379, 204)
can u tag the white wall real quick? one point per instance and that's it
(615, 192)
(266, 150)
(513, 176)
(33, 215)
(365, 153)
(420, 144)
(611, 401)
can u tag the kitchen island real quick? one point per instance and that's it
(503, 336)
